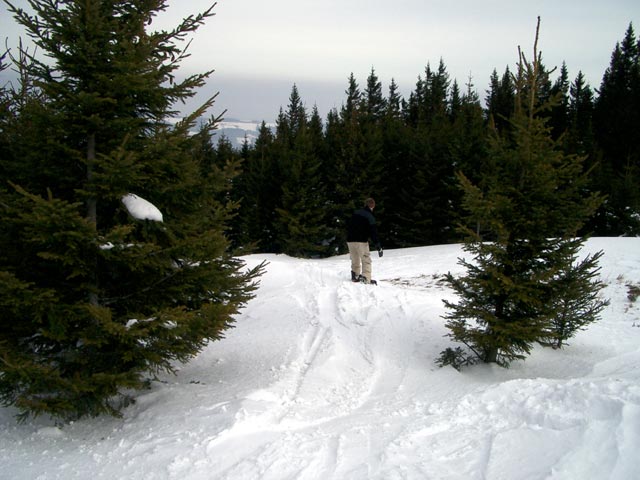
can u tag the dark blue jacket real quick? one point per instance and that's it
(362, 226)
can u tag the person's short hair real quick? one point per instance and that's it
(370, 202)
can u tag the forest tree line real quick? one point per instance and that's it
(299, 181)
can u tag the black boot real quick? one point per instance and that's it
(354, 277)
(363, 279)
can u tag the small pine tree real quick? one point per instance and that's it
(531, 204)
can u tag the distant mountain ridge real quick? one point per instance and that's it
(237, 130)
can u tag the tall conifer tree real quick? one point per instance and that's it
(559, 116)
(426, 210)
(468, 145)
(255, 225)
(580, 137)
(352, 177)
(501, 99)
(301, 212)
(96, 297)
(396, 138)
(374, 101)
(616, 123)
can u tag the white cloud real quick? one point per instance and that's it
(291, 41)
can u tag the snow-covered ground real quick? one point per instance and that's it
(325, 379)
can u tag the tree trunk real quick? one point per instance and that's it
(92, 212)
(92, 208)
(491, 355)
(491, 352)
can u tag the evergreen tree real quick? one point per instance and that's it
(354, 162)
(353, 175)
(425, 210)
(302, 225)
(351, 107)
(93, 298)
(411, 108)
(468, 146)
(580, 136)
(559, 116)
(374, 102)
(394, 102)
(437, 93)
(296, 114)
(532, 204)
(501, 99)
(316, 133)
(337, 210)
(301, 216)
(616, 123)
(396, 139)
(492, 94)
(455, 104)
(372, 128)
(261, 195)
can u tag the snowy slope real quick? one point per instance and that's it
(325, 379)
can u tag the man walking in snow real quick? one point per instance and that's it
(360, 228)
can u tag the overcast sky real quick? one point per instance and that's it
(260, 48)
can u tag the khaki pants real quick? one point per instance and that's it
(360, 259)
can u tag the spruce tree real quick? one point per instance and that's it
(580, 136)
(411, 109)
(396, 138)
(468, 146)
(426, 215)
(255, 226)
(301, 213)
(302, 224)
(521, 278)
(374, 102)
(373, 152)
(437, 93)
(501, 99)
(352, 103)
(336, 209)
(95, 298)
(616, 123)
(316, 133)
(354, 146)
(455, 104)
(559, 115)
(296, 114)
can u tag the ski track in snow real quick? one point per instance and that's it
(326, 379)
